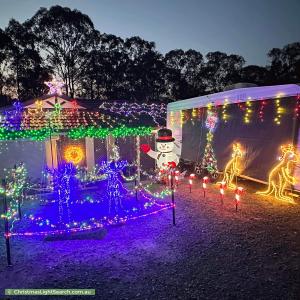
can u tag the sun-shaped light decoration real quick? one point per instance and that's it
(55, 86)
(74, 154)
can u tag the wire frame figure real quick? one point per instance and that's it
(281, 175)
(233, 166)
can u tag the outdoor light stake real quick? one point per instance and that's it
(136, 189)
(192, 177)
(204, 185)
(19, 204)
(238, 192)
(222, 191)
(6, 226)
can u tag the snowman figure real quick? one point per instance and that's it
(167, 154)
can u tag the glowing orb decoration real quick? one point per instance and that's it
(74, 154)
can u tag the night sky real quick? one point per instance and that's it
(249, 28)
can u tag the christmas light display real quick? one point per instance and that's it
(194, 113)
(237, 196)
(114, 185)
(263, 103)
(57, 108)
(55, 86)
(16, 180)
(205, 181)
(64, 184)
(121, 131)
(209, 161)
(297, 107)
(248, 111)
(74, 154)
(78, 133)
(224, 111)
(281, 175)
(38, 106)
(34, 135)
(182, 117)
(157, 112)
(12, 119)
(279, 111)
(222, 191)
(191, 180)
(233, 166)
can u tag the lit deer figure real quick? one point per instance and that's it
(233, 166)
(281, 175)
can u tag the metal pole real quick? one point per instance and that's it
(50, 136)
(19, 208)
(173, 196)
(6, 227)
(138, 159)
(135, 187)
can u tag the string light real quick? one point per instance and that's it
(279, 111)
(156, 112)
(248, 111)
(209, 161)
(194, 113)
(297, 108)
(182, 117)
(224, 110)
(281, 175)
(263, 103)
(16, 181)
(122, 131)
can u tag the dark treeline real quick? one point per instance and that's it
(63, 42)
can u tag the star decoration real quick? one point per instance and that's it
(55, 86)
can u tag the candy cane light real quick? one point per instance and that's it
(222, 190)
(205, 181)
(238, 192)
(191, 180)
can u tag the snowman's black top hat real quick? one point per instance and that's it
(164, 136)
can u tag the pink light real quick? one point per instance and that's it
(55, 86)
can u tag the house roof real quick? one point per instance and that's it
(237, 96)
(63, 114)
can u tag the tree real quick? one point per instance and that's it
(66, 36)
(144, 68)
(221, 70)
(26, 74)
(254, 74)
(285, 64)
(4, 46)
(184, 74)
